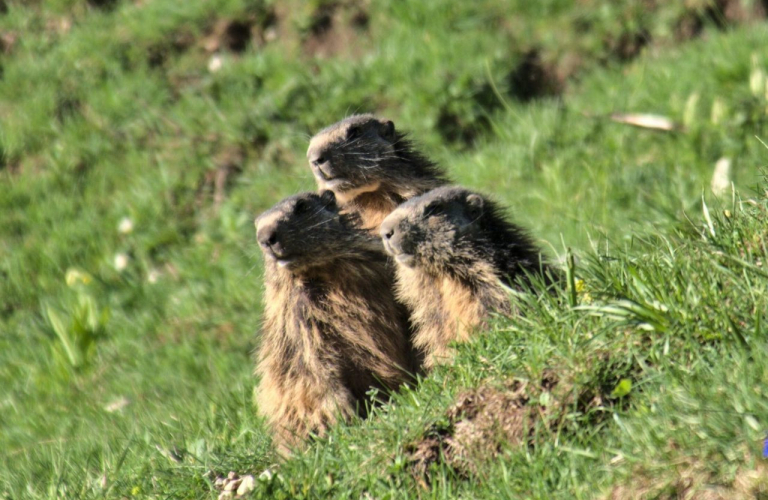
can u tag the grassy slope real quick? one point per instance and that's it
(91, 136)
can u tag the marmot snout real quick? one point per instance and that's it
(347, 157)
(306, 231)
(432, 231)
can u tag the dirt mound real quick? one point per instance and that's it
(534, 78)
(485, 421)
(336, 28)
(478, 423)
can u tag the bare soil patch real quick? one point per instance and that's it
(477, 424)
(237, 35)
(336, 28)
(534, 78)
(496, 416)
(722, 13)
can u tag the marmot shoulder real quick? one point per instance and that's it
(332, 329)
(457, 256)
(371, 167)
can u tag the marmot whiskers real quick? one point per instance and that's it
(371, 167)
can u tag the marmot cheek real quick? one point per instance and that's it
(326, 171)
(407, 246)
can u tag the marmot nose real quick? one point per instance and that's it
(318, 160)
(268, 238)
(326, 171)
(394, 236)
(322, 164)
(387, 230)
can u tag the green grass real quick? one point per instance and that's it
(112, 112)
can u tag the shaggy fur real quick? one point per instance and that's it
(332, 328)
(370, 167)
(456, 256)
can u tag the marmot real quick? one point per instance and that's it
(370, 167)
(456, 257)
(332, 329)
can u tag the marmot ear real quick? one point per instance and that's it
(328, 199)
(387, 130)
(474, 206)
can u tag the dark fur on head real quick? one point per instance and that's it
(304, 233)
(370, 166)
(448, 229)
(332, 327)
(456, 252)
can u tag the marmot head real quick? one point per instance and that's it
(437, 230)
(306, 230)
(363, 154)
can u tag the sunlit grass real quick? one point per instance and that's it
(664, 320)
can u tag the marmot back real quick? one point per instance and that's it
(370, 167)
(332, 329)
(456, 256)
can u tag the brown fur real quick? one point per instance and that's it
(370, 167)
(457, 258)
(332, 328)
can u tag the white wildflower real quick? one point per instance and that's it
(121, 262)
(125, 226)
(153, 276)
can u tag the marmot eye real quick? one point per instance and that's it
(328, 199)
(432, 209)
(354, 133)
(301, 207)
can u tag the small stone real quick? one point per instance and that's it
(232, 485)
(757, 78)
(219, 482)
(215, 63)
(153, 276)
(225, 495)
(270, 34)
(719, 111)
(232, 475)
(266, 475)
(246, 486)
(721, 178)
(117, 405)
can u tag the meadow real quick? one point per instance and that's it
(140, 139)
